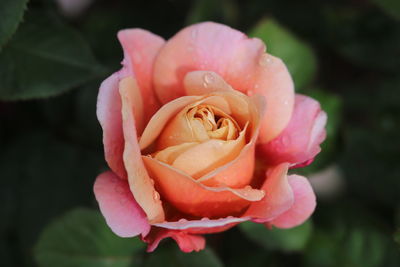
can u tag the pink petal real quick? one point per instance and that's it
(204, 82)
(186, 242)
(192, 197)
(300, 140)
(140, 183)
(205, 46)
(140, 49)
(278, 198)
(109, 115)
(202, 224)
(122, 213)
(274, 82)
(303, 207)
(240, 61)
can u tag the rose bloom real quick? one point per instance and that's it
(199, 133)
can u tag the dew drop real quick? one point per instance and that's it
(208, 78)
(265, 59)
(156, 195)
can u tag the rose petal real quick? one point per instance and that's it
(303, 207)
(130, 84)
(139, 181)
(204, 82)
(274, 82)
(186, 242)
(236, 174)
(135, 42)
(278, 196)
(300, 140)
(122, 213)
(203, 224)
(140, 49)
(178, 130)
(192, 197)
(209, 155)
(109, 116)
(162, 117)
(240, 61)
(205, 46)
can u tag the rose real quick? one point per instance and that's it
(199, 133)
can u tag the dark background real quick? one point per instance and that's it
(52, 60)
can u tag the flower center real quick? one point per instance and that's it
(208, 122)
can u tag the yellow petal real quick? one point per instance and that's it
(209, 155)
(169, 154)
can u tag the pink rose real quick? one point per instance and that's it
(199, 133)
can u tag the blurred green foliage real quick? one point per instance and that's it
(343, 53)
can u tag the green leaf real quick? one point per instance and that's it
(294, 239)
(45, 58)
(297, 55)
(391, 7)
(397, 236)
(171, 256)
(11, 13)
(43, 177)
(345, 240)
(82, 238)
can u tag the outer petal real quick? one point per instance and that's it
(204, 82)
(121, 211)
(192, 197)
(203, 225)
(273, 81)
(186, 242)
(240, 61)
(140, 49)
(303, 207)
(278, 199)
(109, 115)
(139, 181)
(300, 140)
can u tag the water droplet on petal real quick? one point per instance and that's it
(182, 220)
(265, 59)
(205, 219)
(156, 195)
(208, 78)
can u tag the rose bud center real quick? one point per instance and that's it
(200, 139)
